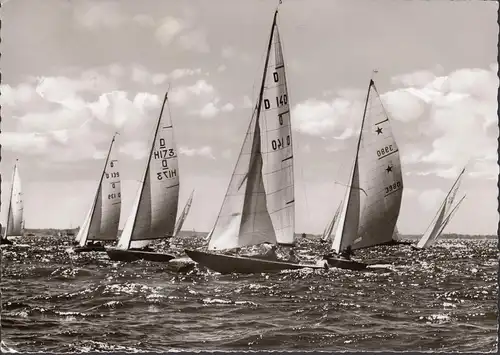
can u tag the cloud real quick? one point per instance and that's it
(18, 95)
(181, 94)
(444, 121)
(431, 199)
(195, 40)
(221, 68)
(247, 102)
(169, 28)
(98, 15)
(204, 151)
(227, 107)
(135, 149)
(228, 52)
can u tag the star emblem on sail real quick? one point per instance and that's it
(373, 196)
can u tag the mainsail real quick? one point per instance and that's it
(373, 198)
(15, 221)
(450, 215)
(333, 224)
(155, 208)
(103, 217)
(259, 203)
(434, 229)
(184, 214)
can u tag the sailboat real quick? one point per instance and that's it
(442, 218)
(373, 196)
(259, 205)
(101, 223)
(15, 220)
(329, 228)
(154, 211)
(183, 216)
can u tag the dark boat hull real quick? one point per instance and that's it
(89, 248)
(116, 254)
(345, 264)
(5, 241)
(228, 264)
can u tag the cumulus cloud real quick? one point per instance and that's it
(181, 94)
(168, 30)
(195, 40)
(205, 151)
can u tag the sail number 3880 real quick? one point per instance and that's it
(280, 143)
(393, 187)
(385, 150)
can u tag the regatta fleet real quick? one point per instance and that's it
(257, 215)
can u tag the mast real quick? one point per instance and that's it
(149, 161)
(98, 189)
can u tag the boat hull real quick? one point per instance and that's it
(345, 264)
(183, 264)
(5, 241)
(116, 254)
(228, 264)
(89, 248)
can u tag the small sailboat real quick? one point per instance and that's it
(101, 223)
(154, 211)
(15, 220)
(329, 228)
(373, 196)
(183, 216)
(443, 216)
(259, 206)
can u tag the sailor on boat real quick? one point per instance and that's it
(271, 251)
(292, 257)
(347, 253)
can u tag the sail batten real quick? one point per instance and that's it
(154, 211)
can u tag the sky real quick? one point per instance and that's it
(76, 71)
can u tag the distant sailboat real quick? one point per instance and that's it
(101, 223)
(154, 211)
(183, 216)
(259, 203)
(330, 227)
(442, 218)
(373, 197)
(15, 220)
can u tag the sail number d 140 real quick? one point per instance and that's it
(280, 143)
(280, 101)
(385, 150)
(393, 187)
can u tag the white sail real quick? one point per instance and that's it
(448, 219)
(184, 214)
(434, 228)
(396, 236)
(155, 208)
(333, 223)
(277, 152)
(15, 220)
(104, 215)
(259, 205)
(373, 199)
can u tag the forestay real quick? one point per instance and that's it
(434, 229)
(104, 215)
(14, 225)
(184, 214)
(155, 207)
(373, 199)
(259, 203)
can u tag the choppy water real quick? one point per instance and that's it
(444, 298)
